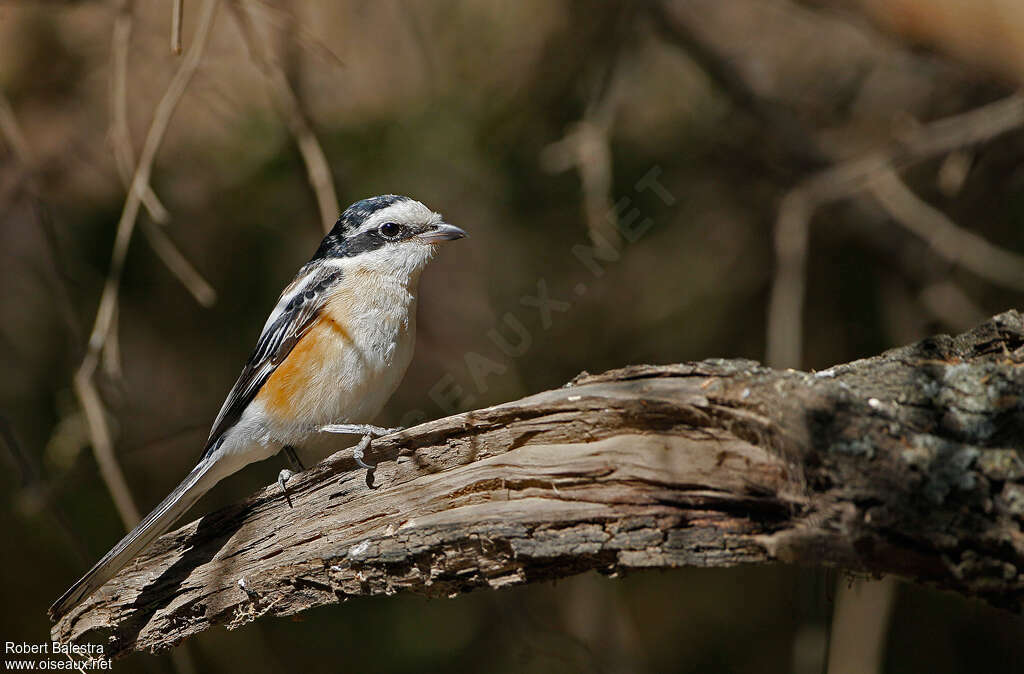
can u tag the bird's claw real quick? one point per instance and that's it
(359, 450)
(283, 478)
(369, 432)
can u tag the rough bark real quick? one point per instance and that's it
(908, 463)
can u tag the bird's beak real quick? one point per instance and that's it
(443, 232)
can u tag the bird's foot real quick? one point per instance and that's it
(359, 450)
(357, 454)
(293, 460)
(369, 432)
(282, 478)
(358, 429)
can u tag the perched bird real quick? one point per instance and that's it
(332, 352)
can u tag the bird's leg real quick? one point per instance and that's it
(285, 474)
(366, 430)
(293, 458)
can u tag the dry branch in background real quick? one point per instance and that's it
(908, 463)
(877, 173)
(290, 107)
(120, 135)
(124, 156)
(587, 148)
(829, 179)
(84, 385)
(176, 15)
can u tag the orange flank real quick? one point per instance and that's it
(288, 388)
(337, 328)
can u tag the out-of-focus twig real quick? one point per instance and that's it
(945, 237)
(786, 304)
(923, 142)
(103, 447)
(35, 490)
(176, 15)
(784, 324)
(868, 173)
(85, 387)
(839, 181)
(120, 136)
(161, 119)
(124, 156)
(283, 16)
(111, 359)
(587, 148)
(11, 132)
(179, 265)
(287, 102)
(947, 302)
(953, 172)
(38, 493)
(801, 148)
(862, 617)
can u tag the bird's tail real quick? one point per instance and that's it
(198, 482)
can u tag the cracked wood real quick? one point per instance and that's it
(908, 463)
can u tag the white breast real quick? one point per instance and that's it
(381, 323)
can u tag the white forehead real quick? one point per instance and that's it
(405, 212)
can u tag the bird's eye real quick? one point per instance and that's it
(390, 230)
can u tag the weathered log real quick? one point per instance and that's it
(908, 463)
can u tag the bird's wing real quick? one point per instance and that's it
(296, 311)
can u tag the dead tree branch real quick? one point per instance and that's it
(908, 464)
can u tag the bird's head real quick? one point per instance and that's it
(389, 235)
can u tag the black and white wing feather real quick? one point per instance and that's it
(296, 311)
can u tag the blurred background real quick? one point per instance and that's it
(799, 182)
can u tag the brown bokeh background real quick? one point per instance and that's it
(522, 122)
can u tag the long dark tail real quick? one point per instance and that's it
(191, 489)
